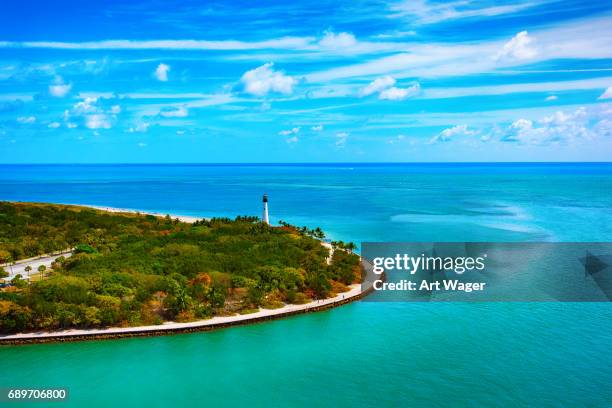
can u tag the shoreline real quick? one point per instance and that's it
(184, 218)
(169, 328)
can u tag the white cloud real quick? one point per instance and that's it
(341, 138)
(551, 98)
(560, 127)
(386, 90)
(396, 34)
(576, 38)
(59, 91)
(157, 95)
(142, 144)
(398, 94)
(452, 132)
(480, 121)
(317, 128)
(58, 88)
(519, 48)
(425, 12)
(338, 41)
(161, 72)
(87, 105)
(26, 120)
(174, 112)
(587, 38)
(53, 125)
(92, 114)
(141, 127)
(398, 139)
(293, 131)
(330, 42)
(583, 124)
(377, 85)
(292, 140)
(607, 94)
(97, 121)
(580, 84)
(297, 43)
(264, 79)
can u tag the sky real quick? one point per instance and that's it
(305, 81)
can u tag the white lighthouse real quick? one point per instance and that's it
(265, 217)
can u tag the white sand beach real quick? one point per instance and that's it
(183, 218)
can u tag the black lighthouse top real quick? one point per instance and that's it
(265, 198)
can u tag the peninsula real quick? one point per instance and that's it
(131, 273)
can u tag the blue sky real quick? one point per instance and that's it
(305, 81)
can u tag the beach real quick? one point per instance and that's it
(183, 218)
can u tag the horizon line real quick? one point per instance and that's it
(304, 163)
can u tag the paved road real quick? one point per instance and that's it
(19, 267)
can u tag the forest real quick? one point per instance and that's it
(136, 269)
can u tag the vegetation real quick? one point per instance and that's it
(130, 269)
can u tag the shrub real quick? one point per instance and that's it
(84, 249)
(301, 298)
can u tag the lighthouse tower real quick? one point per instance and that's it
(265, 217)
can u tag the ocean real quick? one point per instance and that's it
(365, 353)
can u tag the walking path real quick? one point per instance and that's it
(170, 327)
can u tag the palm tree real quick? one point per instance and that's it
(10, 262)
(42, 269)
(28, 269)
(318, 232)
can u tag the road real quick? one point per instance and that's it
(19, 267)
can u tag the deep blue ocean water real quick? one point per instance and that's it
(362, 354)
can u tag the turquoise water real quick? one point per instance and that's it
(362, 354)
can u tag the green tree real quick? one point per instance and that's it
(256, 294)
(3, 273)
(28, 269)
(42, 269)
(217, 296)
(179, 300)
(18, 282)
(5, 256)
(318, 233)
(84, 248)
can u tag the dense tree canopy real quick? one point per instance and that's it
(131, 269)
